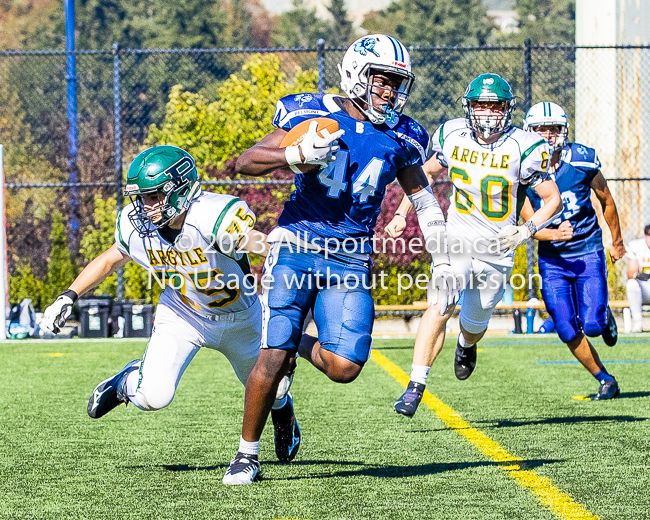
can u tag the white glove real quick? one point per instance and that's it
(55, 315)
(315, 149)
(510, 238)
(446, 287)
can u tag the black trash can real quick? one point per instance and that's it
(138, 320)
(93, 317)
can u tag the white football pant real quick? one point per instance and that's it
(178, 334)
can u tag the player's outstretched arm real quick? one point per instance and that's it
(432, 170)
(604, 196)
(95, 273)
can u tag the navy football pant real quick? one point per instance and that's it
(336, 289)
(575, 293)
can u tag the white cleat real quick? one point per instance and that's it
(244, 469)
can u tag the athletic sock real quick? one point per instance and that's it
(419, 374)
(603, 376)
(249, 448)
(463, 343)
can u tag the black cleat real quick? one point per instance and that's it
(408, 403)
(286, 431)
(244, 469)
(608, 390)
(610, 334)
(465, 361)
(110, 393)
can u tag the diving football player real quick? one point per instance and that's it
(571, 255)
(197, 242)
(323, 238)
(491, 163)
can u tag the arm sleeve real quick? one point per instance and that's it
(432, 224)
(235, 221)
(122, 239)
(534, 164)
(437, 141)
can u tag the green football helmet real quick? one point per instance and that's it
(168, 171)
(489, 87)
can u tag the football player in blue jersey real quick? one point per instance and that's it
(571, 254)
(319, 256)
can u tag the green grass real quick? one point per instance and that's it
(358, 460)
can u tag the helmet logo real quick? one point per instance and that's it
(185, 165)
(131, 187)
(365, 46)
(488, 81)
(303, 98)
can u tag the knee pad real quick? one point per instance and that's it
(280, 330)
(593, 328)
(152, 400)
(632, 286)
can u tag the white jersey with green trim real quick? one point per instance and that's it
(202, 268)
(489, 182)
(639, 251)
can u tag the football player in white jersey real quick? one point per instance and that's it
(193, 241)
(638, 274)
(490, 164)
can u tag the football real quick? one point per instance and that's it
(297, 134)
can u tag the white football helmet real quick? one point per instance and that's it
(379, 53)
(548, 114)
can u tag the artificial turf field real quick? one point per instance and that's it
(358, 459)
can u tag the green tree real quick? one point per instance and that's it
(341, 33)
(299, 27)
(23, 284)
(546, 21)
(218, 131)
(432, 22)
(61, 269)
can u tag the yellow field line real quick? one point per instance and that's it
(550, 496)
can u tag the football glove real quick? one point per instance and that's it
(315, 149)
(446, 287)
(642, 277)
(55, 315)
(510, 238)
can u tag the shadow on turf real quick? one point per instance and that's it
(509, 423)
(186, 467)
(411, 471)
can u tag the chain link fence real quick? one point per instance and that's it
(120, 93)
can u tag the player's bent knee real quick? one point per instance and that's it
(150, 400)
(338, 368)
(593, 328)
(344, 374)
(633, 286)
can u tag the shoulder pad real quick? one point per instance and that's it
(581, 156)
(413, 134)
(295, 108)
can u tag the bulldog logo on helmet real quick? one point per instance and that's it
(365, 46)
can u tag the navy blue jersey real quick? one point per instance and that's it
(341, 202)
(581, 157)
(574, 185)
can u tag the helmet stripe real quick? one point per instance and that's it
(399, 55)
